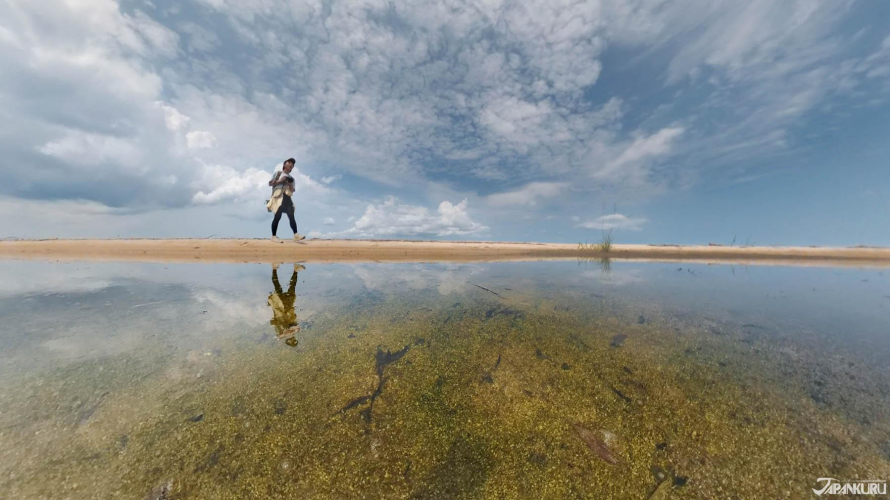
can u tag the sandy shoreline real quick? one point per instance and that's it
(265, 251)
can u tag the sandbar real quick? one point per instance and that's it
(324, 250)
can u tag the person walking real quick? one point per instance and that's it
(282, 184)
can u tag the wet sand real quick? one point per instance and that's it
(265, 251)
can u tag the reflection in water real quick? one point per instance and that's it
(533, 380)
(284, 315)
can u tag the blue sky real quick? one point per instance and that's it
(669, 122)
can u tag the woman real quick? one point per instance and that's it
(282, 189)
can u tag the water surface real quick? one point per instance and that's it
(505, 380)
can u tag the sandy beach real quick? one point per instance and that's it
(265, 251)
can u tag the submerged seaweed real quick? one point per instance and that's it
(383, 359)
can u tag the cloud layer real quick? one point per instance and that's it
(510, 106)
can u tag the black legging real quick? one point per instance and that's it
(287, 206)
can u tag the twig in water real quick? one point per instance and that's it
(150, 303)
(486, 289)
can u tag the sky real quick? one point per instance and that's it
(695, 121)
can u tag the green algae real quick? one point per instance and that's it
(426, 397)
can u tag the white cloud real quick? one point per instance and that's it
(198, 139)
(528, 195)
(218, 183)
(173, 118)
(83, 96)
(92, 149)
(394, 219)
(614, 221)
(331, 178)
(329, 221)
(642, 149)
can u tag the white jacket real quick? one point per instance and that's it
(278, 192)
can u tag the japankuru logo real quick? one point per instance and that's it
(832, 486)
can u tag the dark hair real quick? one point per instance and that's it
(289, 160)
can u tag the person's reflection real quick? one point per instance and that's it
(284, 316)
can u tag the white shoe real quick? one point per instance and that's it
(276, 239)
(299, 237)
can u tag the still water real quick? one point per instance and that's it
(498, 380)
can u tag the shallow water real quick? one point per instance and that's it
(508, 380)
